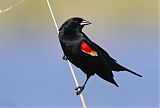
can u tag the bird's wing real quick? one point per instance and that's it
(97, 47)
(102, 60)
(85, 48)
(91, 54)
(105, 54)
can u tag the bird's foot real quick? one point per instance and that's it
(64, 57)
(79, 90)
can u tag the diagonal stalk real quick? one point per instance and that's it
(70, 66)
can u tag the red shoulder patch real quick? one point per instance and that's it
(87, 49)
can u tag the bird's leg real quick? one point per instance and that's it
(81, 88)
(64, 57)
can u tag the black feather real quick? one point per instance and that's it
(71, 37)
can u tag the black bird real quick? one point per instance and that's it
(85, 54)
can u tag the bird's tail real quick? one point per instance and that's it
(118, 67)
(133, 72)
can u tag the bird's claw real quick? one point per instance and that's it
(79, 90)
(79, 87)
(64, 57)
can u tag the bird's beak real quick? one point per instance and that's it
(84, 22)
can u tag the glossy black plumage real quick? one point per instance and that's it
(71, 38)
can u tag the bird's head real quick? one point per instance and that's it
(73, 24)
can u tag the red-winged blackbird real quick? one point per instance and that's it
(85, 54)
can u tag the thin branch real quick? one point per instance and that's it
(14, 5)
(70, 66)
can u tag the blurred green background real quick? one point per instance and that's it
(32, 72)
